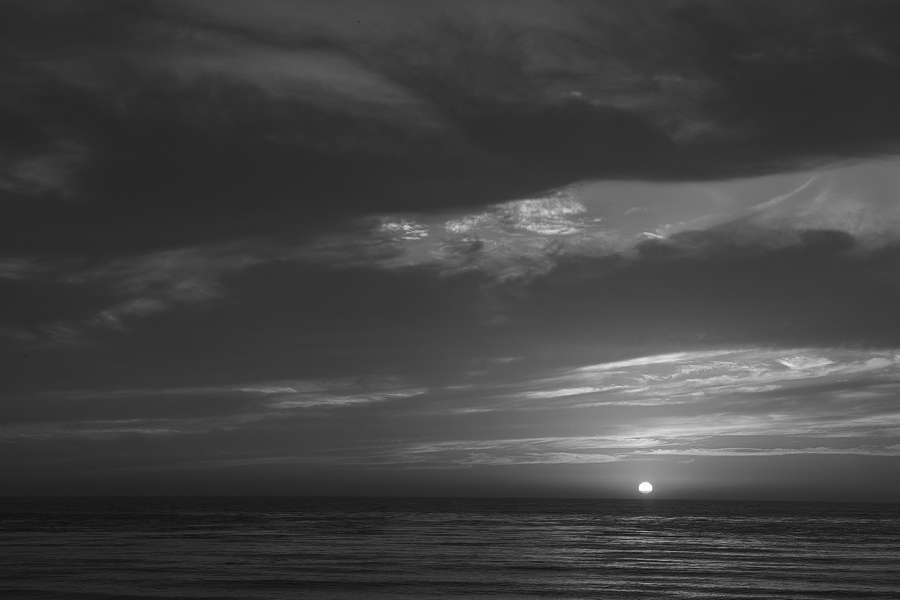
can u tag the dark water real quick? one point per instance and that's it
(317, 548)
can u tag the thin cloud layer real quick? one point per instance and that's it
(750, 402)
(717, 403)
(193, 411)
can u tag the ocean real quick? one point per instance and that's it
(274, 548)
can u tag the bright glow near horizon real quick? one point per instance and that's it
(645, 487)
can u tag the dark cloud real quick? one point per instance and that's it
(708, 287)
(168, 122)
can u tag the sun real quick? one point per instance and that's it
(645, 487)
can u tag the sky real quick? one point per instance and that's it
(511, 248)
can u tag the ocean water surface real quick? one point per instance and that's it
(274, 548)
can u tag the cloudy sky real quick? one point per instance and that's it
(431, 248)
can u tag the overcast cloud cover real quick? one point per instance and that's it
(525, 247)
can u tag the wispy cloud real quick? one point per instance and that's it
(137, 286)
(748, 402)
(327, 78)
(514, 451)
(155, 282)
(727, 452)
(201, 409)
(721, 376)
(50, 171)
(15, 268)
